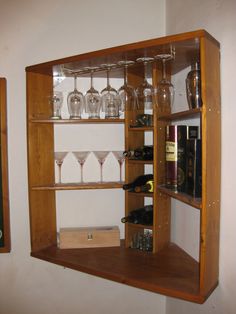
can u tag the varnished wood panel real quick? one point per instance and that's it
(40, 162)
(4, 166)
(211, 146)
(170, 272)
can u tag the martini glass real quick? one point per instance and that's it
(120, 158)
(109, 96)
(165, 90)
(101, 157)
(127, 92)
(93, 98)
(75, 101)
(145, 91)
(59, 158)
(81, 157)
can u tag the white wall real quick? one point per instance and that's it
(218, 18)
(35, 31)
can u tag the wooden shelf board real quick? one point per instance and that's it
(144, 128)
(171, 272)
(137, 161)
(80, 186)
(187, 114)
(76, 121)
(139, 226)
(185, 198)
(143, 194)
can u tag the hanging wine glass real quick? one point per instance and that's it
(56, 100)
(81, 157)
(93, 98)
(101, 157)
(110, 100)
(165, 89)
(145, 92)
(120, 158)
(59, 158)
(127, 92)
(75, 101)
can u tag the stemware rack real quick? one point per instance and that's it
(168, 270)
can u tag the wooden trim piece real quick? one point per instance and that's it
(211, 162)
(4, 167)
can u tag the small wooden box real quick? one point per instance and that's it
(89, 237)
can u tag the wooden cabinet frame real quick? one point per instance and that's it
(168, 270)
(4, 214)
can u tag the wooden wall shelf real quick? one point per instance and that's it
(168, 269)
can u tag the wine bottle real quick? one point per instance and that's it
(143, 215)
(139, 181)
(147, 187)
(141, 153)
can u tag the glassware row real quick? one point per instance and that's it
(114, 102)
(81, 157)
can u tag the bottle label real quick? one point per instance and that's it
(171, 151)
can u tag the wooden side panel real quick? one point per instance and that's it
(4, 167)
(211, 160)
(40, 162)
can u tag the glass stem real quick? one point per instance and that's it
(75, 82)
(108, 77)
(59, 172)
(163, 69)
(145, 71)
(81, 173)
(120, 171)
(101, 175)
(92, 79)
(125, 75)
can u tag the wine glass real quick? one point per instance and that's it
(145, 91)
(101, 157)
(81, 157)
(56, 100)
(75, 101)
(110, 100)
(93, 98)
(165, 90)
(127, 92)
(59, 158)
(120, 158)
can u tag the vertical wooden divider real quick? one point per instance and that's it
(162, 202)
(40, 162)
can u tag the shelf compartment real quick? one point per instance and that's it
(75, 121)
(80, 186)
(183, 197)
(187, 114)
(171, 271)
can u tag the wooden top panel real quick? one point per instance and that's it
(186, 46)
